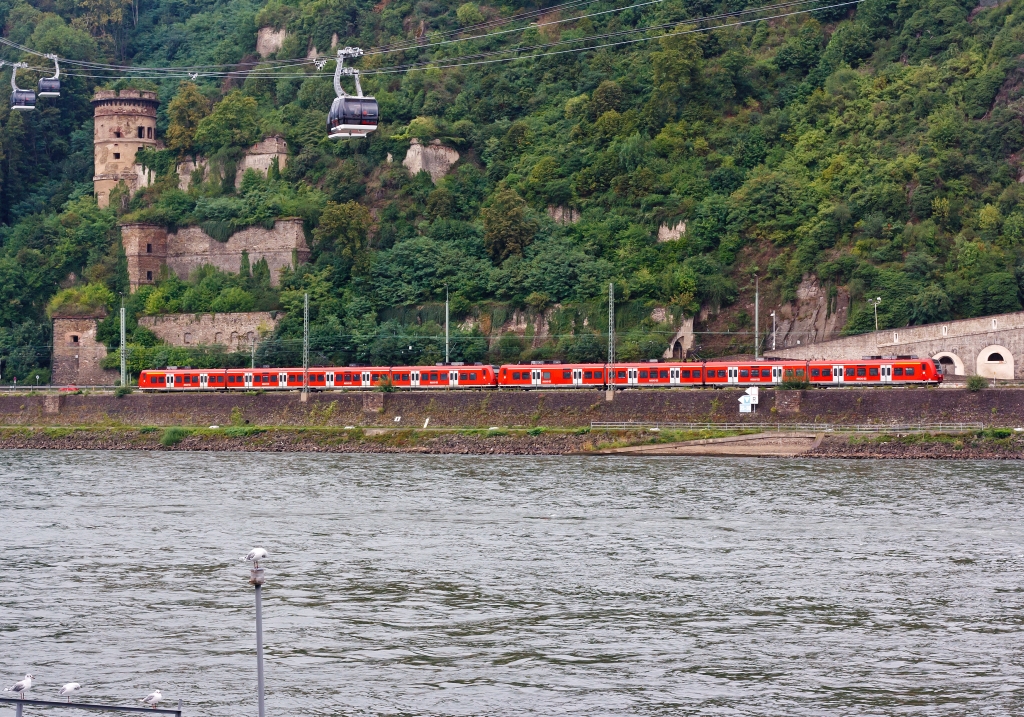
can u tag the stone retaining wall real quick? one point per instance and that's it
(1003, 407)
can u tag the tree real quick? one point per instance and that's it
(234, 122)
(185, 112)
(508, 229)
(343, 229)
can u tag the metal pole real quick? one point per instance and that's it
(447, 359)
(259, 641)
(305, 352)
(252, 349)
(17, 711)
(611, 337)
(757, 308)
(124, 348)
(773, 331)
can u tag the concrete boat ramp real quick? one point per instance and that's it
(755, 444)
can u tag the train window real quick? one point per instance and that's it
(515, 375)
(826, 373)
(621, 374)
(597, 374)
(910, 371)
(789, 373)
(766, 373)
(685, 373)
(320, 377)
(897, 371)
(861, 371)
(462, 376)
(924, 368)
(696, 373)
(815, 372)
(566, 374)
(744, 373)
(849, 371)
(220, 379)
(188, 379)
(256, 378)
(663, 374)
(433, 376)
(800, 373)
(231, 379)
(643, 374)
(721, 373)
(266, 378)
(405, 377)
(873, 371)
(375, 377)
(588, 374)
(472, 376)
(547, 376)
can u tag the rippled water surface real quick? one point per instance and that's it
(458, 585)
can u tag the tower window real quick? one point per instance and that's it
(149, 133)
(117, 133)
(74, 339)
(117, 155)
(149, 276)
(141, 132)
(149, 248)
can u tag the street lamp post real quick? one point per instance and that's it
(875, 303)
(256, 577)
(773, 331)
(757, 308)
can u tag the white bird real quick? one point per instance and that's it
(255, 556)
(152, 699)
(21, 687)
(69, 689)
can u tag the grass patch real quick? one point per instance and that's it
(243, 431)
(174, 436)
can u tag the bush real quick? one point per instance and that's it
(793, 385)
(173, 436)
(976, 383)
(122, 391)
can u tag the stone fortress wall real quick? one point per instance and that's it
(990, 346)
(234, 331)
(149, 248)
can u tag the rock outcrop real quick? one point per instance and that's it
(435, 159)
(269, 40)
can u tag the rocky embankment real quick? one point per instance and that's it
(972, 446)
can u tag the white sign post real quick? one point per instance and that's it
(752, 392)
(748, 400)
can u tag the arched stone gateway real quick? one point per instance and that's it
(950, 362)
(995, 361)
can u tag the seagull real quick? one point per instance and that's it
(21, 687)
(152, 699)
(255, 556)
(69, 689)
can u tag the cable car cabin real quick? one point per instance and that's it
(23, 100)
(49, 87)
(352, 117)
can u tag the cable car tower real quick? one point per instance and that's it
(351, 115)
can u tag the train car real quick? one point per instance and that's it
(552, 375)
(905, 370)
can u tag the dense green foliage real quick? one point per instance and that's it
(875, 147)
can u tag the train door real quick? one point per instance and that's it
(535, 377)
(204, 380)
(169, 378)
(577, 377)
(453, 378)
(886, 374)
(776, 374)
(631, 376)
(329, 379)
(414, 379)
(732, 374)
(364, 379)
(248, 380)
(282, 380)
(673, 376)
(837, 374)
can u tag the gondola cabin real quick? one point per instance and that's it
(49, 87)
(22, 100)
(352, 117)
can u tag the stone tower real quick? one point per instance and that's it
(124, 123)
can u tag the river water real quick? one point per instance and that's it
(458, 585)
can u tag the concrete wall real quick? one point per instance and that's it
(235, 331)
(1001, 407)
(965, 347)
(118, 120)
(149, 247)
(77, 354)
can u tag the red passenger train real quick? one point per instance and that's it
(902, 370)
